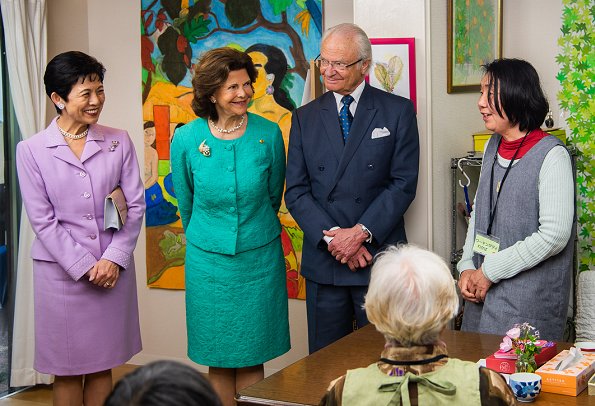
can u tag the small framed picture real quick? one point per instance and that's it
(393, 66)
(474, 39)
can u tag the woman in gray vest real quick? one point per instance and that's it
(517, 258)
(410, 300)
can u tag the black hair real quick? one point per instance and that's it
(516, 90)
(277, 64)
(68, 68)
(163, 383)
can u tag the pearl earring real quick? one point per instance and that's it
(213, 100)
(60, 106)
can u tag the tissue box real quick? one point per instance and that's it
(592, 386)
(504, 362)
(570, 381)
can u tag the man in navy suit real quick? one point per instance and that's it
(351, 174)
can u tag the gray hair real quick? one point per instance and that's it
(412, 295)
(352, 31)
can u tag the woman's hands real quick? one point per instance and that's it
(104, 274)
(474, 285)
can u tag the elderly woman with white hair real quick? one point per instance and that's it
(410, 300)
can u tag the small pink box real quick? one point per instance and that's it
(504, 361)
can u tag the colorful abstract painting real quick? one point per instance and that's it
(281, 36)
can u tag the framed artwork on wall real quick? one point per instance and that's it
(393, 66)
(474, 38)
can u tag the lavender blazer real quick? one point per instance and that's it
(64, 199)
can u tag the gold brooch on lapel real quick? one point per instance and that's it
(114, 145)
(204, 149)
(261, 141)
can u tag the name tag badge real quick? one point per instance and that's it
(486, 244)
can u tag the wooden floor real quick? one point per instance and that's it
(42, 394)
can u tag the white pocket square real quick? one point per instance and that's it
(380, 132)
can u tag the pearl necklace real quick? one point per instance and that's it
(232, 129)
(74, 136)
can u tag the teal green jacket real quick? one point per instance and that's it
(229, 200)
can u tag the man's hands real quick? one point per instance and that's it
(347, 246)
(474, 285)
(361, 259)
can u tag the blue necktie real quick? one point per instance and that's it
(345, 117)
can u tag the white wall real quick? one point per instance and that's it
(406, 18)
(454, 118)
(532, 29)
(61, 38)
(337, 12)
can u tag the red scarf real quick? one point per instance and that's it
(508, 148)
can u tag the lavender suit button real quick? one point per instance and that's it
(86, 195)
(93, 236)
(82, 174)
(88, 216)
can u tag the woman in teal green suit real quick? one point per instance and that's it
(228, 170)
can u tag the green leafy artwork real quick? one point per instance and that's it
(577, 98)
(473, 38)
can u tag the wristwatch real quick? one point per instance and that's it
(368, 233)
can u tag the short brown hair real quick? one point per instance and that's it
(211, 71)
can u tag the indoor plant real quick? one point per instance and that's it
(522, 339)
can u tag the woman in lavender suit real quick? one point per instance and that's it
(86, 311)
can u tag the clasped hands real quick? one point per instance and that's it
(104, 274)
(474, 285)
(347, 246)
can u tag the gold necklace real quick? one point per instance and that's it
(73, 136)
(232, 129)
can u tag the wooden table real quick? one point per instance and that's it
(304, 382)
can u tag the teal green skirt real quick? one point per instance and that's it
(236, 306)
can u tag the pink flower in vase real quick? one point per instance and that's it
(514, 333)
(506, 344)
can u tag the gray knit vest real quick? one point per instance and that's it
(539, 295)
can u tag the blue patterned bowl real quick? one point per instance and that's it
(525, 386)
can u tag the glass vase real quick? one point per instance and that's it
(525, 364)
